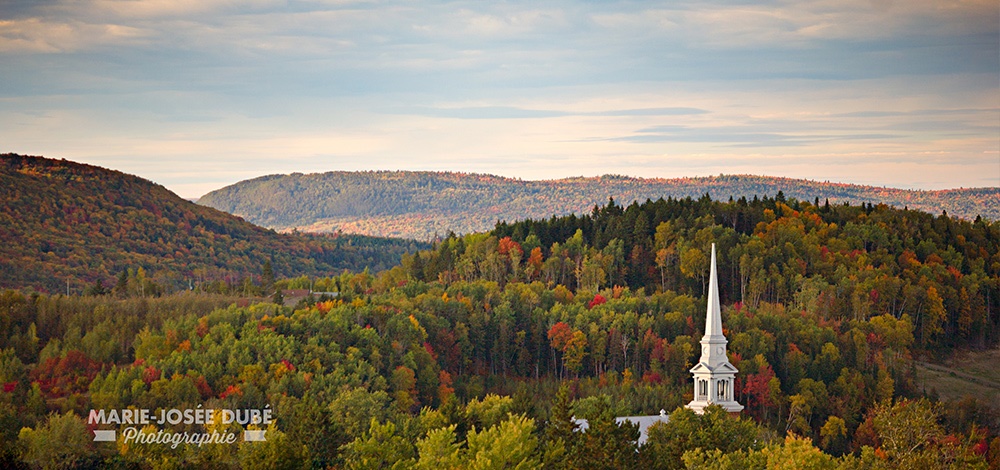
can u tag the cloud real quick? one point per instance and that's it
(33, 35)
(676, 111)
(789, 24)
(159, 9)
(505, 23)
(920, 112)
(510, 112)
(739, 136)
(521, 89)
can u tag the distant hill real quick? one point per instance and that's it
(421, 204)
(63, 221)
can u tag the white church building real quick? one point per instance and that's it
(713, 375)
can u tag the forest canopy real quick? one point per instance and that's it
(478, 353)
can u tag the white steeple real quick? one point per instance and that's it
(713, 375)
(713, 320)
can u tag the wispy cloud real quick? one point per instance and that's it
(509, 112)
(34, 35)
(534, 90)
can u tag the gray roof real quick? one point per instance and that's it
(644, 423)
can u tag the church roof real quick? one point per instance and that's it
(644, 423)
(724, 367)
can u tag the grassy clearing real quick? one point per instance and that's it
(975, 373)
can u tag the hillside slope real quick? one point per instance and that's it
(421, 204)
(62, 222)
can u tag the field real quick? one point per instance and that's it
(973, 373)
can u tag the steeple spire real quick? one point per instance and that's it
(713, 318)
(714, 375)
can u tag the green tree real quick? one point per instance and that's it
(379, 449)
(591, 274)
(575, 351)
(561, 432)
(910, 436)
(489, 411)
(439, 451)
(604, 444)
(833, 434)
(509, 445)
(797, 453)
(694, 264)
(63, 442)
(686, 430)
(278, 452)
(934, 317)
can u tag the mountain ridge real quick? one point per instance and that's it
(422, 204)
(67, 222)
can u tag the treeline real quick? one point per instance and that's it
(132, 283)
(67, 225)
(839, 262)
(424, 205)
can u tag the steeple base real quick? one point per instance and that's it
(729, 406)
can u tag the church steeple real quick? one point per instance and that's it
(713, 319)
(714, 375)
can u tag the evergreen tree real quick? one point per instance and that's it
(267, 278)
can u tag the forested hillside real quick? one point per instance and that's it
(477, 353)
(64, 222)
(840, 261)
(420, 205)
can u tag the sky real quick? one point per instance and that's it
(199, 94)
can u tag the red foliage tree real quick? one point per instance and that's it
(72, 373)
(506, 246)
(597, 300)
(559, 335)
(757, 389)
(535, 259)
(150, 374)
